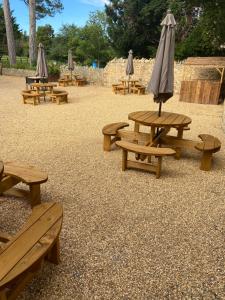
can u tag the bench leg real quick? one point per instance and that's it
(107, 143)
(3, 295)
(206, 161)
(178, 149)
(53, 255)
(35, 194)
(124, 160)
(158, 167)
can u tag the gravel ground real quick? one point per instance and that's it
(126, 235)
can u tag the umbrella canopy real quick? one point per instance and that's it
(130, 66)
(70, 61)
(41, 69)
(161, 83)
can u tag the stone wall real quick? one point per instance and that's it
(115, 70)
(17, 72)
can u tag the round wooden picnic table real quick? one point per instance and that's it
(166, 120)
(43, 87)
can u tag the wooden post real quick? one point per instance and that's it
(158, 167)
(107, 143)
(53, 255)
(35, 194)
(124, 160)
(206, 161)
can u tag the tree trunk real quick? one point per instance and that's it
(9, 33)
(32, 31)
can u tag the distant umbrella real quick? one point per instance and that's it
(41, 69)
(161, 83)
(130, 66)
(70, 62)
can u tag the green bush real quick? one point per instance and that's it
(53, 68)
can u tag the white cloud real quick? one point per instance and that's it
(98, 3)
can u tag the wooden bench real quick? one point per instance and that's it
(30, 97)
(110, 134)
(122, 89)
(64, 82)
(22, 256)
(16, 172)
(143, 150)
(80, 82)
(208, 146)
(59, 96)
(140, 90)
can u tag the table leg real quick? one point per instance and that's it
(180, 136)
(35, 194)
(136, 129)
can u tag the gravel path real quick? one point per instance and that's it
(125, 235)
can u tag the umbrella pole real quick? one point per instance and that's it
(160, 108)
(71, 73)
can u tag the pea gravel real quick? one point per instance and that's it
(126, 235)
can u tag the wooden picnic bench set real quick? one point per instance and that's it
(128, 86)
(38, 90)
(68, 80)
(158, 143)
(22, 255)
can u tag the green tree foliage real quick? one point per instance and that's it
(88, 43)
(18, 35)
(45, 35)
(134, 24)
(47, 7)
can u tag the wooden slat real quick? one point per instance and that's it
(17, 249)
(26, 173)
(141, 166)
(145, 149)
(132, 135)
(35, 253)
(209, 142)
(174, 141)
(112, 128)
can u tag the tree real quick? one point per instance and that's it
(45, 35)
(134, 24)
(9, 33)
(32, 31)
(39, 9)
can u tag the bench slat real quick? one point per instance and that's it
(37, 252)
(111, 129)
(27, 174)
(146, 150)
(209, 142)
(16, 250)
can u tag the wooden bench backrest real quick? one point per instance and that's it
(32, 242)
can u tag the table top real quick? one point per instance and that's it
(151, 118)
(40, 84)
(35, 77)
(129, 80)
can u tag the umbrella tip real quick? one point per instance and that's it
(130, 51)
(169, 11)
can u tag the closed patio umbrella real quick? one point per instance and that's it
(70, 62)
(162, 79)
(41, 69)
(130, 65)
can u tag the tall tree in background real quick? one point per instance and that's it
(9, 33)
(32, 31)
(39, 9)
(134, 24)
(45, 35)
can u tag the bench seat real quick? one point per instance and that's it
(143, 150)
(16, 172)
(31, 97)
(208, 146)
(110, 133)
(23, 255)
(59, 96)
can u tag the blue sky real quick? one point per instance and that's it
(75, 11)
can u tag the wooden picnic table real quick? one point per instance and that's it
(42, 88)
(167, 120)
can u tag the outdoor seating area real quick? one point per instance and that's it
(127, 86)
(113, 221)
(69, 79)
